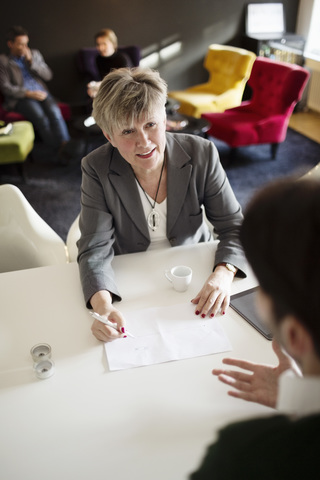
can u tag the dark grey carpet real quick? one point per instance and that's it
(253, 166)
(54, 190)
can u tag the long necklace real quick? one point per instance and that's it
(153, 217)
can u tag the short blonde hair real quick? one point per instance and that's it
(126, 95)
(109, 34)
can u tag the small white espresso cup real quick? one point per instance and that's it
(180, 277)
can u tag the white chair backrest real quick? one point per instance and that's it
(26, 240)
(72, 238)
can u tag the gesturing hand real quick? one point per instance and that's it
(261, 384)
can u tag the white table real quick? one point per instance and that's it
(86, 422)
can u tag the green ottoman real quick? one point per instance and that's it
(15, 147)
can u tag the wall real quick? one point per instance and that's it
(61, 27)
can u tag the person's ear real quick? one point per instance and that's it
(296, 339)
(107, 137)
(165, 115)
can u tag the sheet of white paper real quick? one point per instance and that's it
(163, 334)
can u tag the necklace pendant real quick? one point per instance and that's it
(153, 220)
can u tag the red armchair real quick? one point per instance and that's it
(276, 88)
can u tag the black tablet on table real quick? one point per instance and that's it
(244, 303)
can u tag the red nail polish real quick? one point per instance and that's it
(223, 313)
(125, 336)
(203, 315)
(212, 315)
(122, 329)
(197, 312)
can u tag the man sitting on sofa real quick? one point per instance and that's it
(23, 74)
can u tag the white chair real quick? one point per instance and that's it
(26, 240)
(72, 238)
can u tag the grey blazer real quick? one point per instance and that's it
(11, 80)
(112, 220)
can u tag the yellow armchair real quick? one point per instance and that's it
(229, 69)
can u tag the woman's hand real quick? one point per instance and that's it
(92, 88)
(215, 293)
(261, 384)
(101, 303)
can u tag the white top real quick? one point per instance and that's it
(158, 237)
(298, 395)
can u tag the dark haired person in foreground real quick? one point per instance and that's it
(281, 237)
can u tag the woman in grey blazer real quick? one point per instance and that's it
(146, 189)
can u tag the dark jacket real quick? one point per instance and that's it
(11, 80)
(275, 448)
